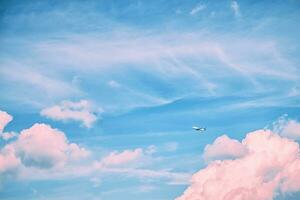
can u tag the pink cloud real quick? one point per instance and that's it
(8, 135)
(224, 147)
(5, 118)
(42, 146)
(286, 127)
(36, 148)
(8, 159)
(78, 111)
(127, 156)
(291, 129)
(270, 165)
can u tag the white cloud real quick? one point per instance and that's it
(224, 148)
(197, 9)
(271, 165)
(35, 81)
(68, 110)
(168, 56)
(5, 118)
(235, 8)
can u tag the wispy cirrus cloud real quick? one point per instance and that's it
(197, 9)
(165, 57)
(235, 8)
(35, 81)
(172, 56)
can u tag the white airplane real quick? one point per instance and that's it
(199, 128)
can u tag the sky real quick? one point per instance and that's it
(98, 100)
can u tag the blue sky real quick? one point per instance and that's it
(137, 75)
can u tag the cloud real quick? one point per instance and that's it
(42, 146)
(5, 118)
(122, 163)
(8, 135)
(8, 160)
(38, 147)
(197, 9)
(42, 153)
(68, 110)
(235, 8)
(113, 84)
(286, 127)
(224, 148)
(124, 157)
(170, 146)
(173, 178)
(271, 165)
(35, 81)
(291, 129)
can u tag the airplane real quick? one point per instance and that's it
(199, 128)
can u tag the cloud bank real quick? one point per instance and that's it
(78, 111)
(271, 165)
(42, 152)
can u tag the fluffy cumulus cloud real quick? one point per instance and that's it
(45, 147)
(271, 165)
(8, 160)
(5, 118)
(40, 147)
(78, 111)
(224, 147)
